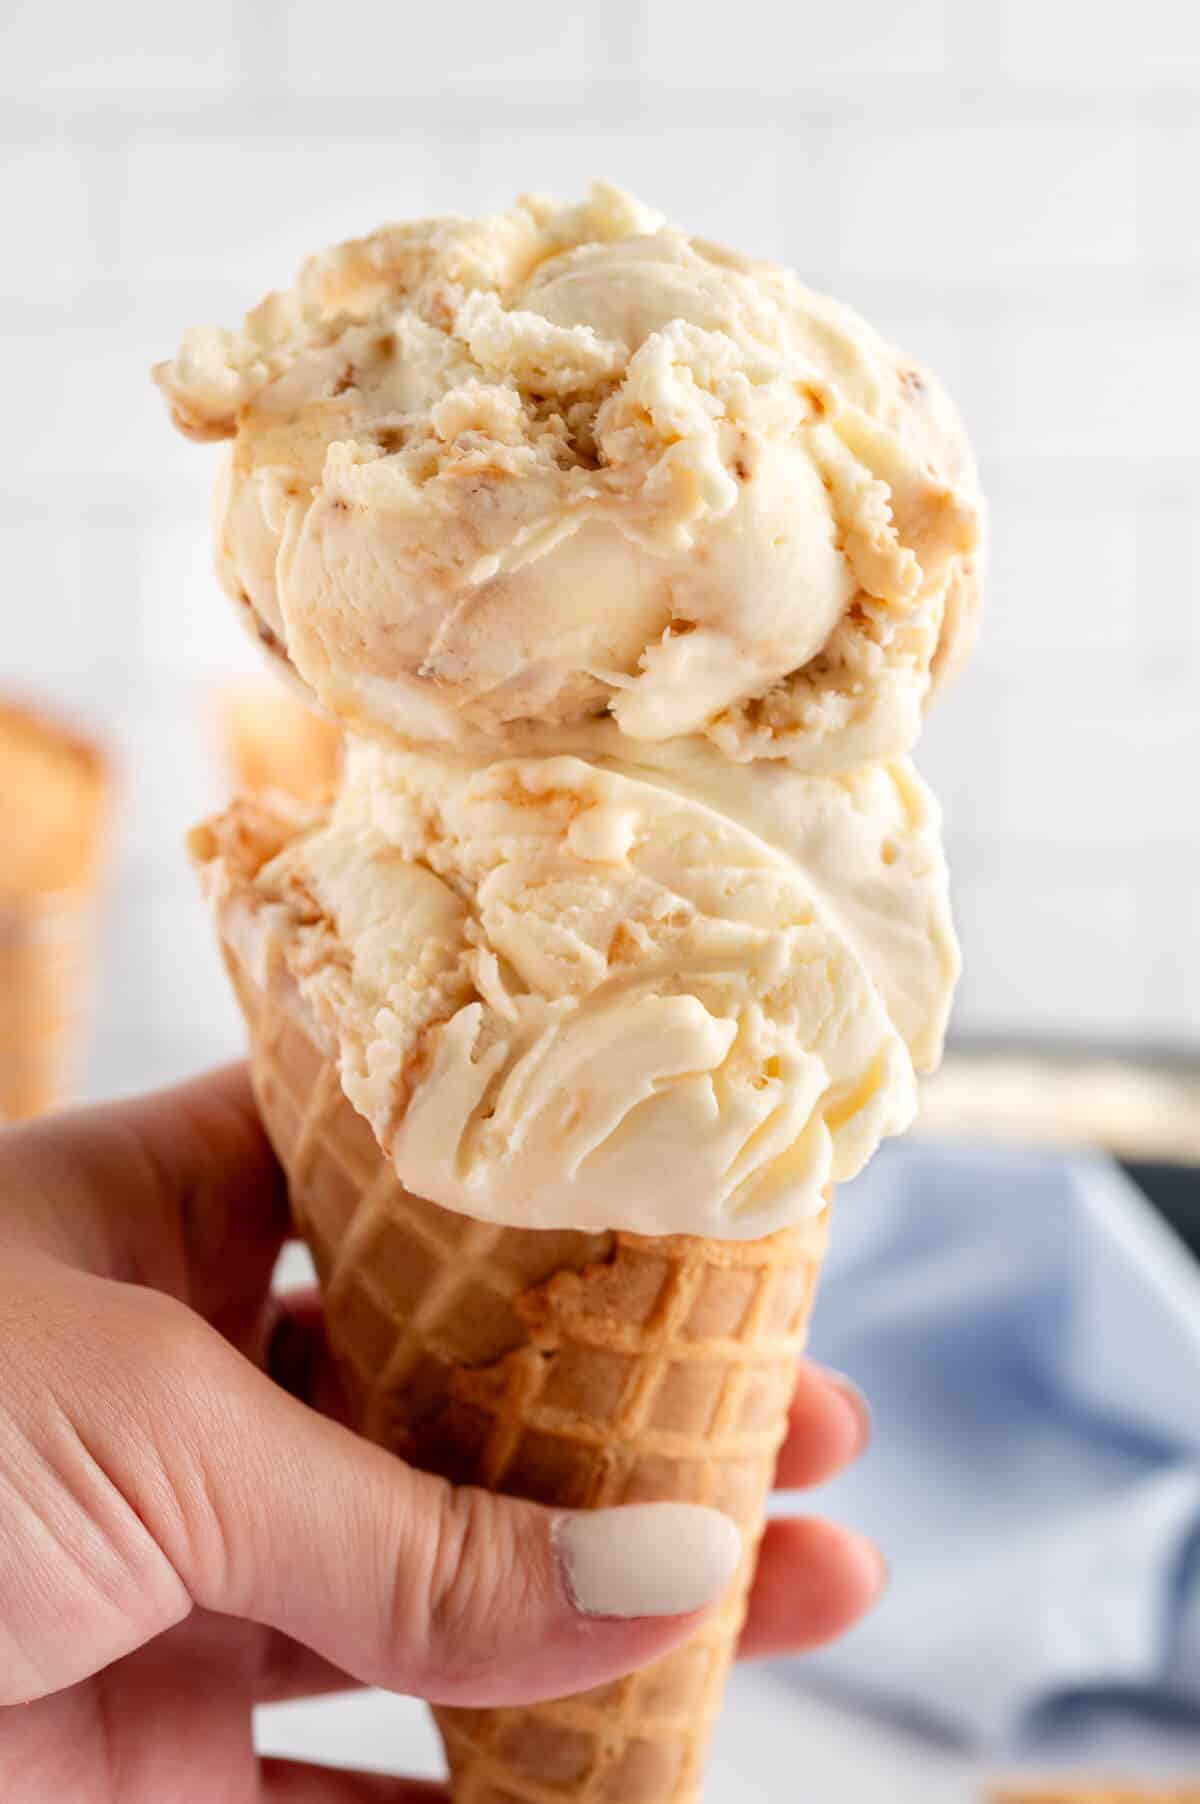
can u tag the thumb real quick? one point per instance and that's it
(410, 1583)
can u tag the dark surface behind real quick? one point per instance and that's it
(1175, 1192)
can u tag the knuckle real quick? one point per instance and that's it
(74, 1461)
(172, 1428)
(479, 1587)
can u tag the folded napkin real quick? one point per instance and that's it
(1028, 1333)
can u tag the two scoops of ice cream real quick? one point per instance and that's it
(629, 567)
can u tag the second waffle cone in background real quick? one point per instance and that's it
(574, 1369)
(54, 805)
(271, 741)
(45, 961)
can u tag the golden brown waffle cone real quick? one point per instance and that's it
(574, 1369)
(45, 966)
(271, 741)
(54, 792)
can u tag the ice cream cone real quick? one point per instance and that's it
(627, 566)
(53, 806)
(574, 1369)
(271, 741)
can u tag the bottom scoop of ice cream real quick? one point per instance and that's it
(668, 998)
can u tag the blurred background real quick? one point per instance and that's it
(1007, 190)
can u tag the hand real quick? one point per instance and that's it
(182, 1537)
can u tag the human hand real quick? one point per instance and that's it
(182, 1537)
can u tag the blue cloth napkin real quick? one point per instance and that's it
(1028, 1334)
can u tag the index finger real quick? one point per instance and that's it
(178, 1190)
(828, 1425)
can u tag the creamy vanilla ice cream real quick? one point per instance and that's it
(629, 566)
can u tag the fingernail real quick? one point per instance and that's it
(646, 1559)
(854, 1400)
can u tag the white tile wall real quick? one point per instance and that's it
(1117, 381)
(1072, 949)
(737, 184)
(763, 44)
(1094, 610)
(482, 47)
(983, 201)
(43, 201)
(1084, 43)
(171, 231)
(1170, 223)
(111, 54)
(1009, 190)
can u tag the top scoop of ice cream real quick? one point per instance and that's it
(568, 472)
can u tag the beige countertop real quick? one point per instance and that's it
(1135, 1109)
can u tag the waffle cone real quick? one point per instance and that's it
(45, 968)
(272, 741)
(573, 1369)
(54, 806)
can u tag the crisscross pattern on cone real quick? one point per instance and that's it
(45, 961)
(574, 1369)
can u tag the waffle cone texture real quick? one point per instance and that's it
(45, 969)
(55, 795)
(577, 1370)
